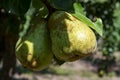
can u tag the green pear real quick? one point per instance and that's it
(34, 49)
(71, 38)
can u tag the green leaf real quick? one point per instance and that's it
(78, 8)
(26, 24)
(41, 10)
(79, 13)
(62, 4)
(37, 10)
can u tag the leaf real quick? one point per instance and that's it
(97, 26)
(41, 10)
(37, 10)
(78, 8)
(26, 24)
(62, 4)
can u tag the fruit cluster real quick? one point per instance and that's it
(63, 36)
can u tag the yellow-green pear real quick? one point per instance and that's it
(71, 38)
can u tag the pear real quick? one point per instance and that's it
(34, 49)
(71, 38)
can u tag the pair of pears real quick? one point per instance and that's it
(63, 35)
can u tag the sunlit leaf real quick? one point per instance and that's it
(78, 8)
(97, 26)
